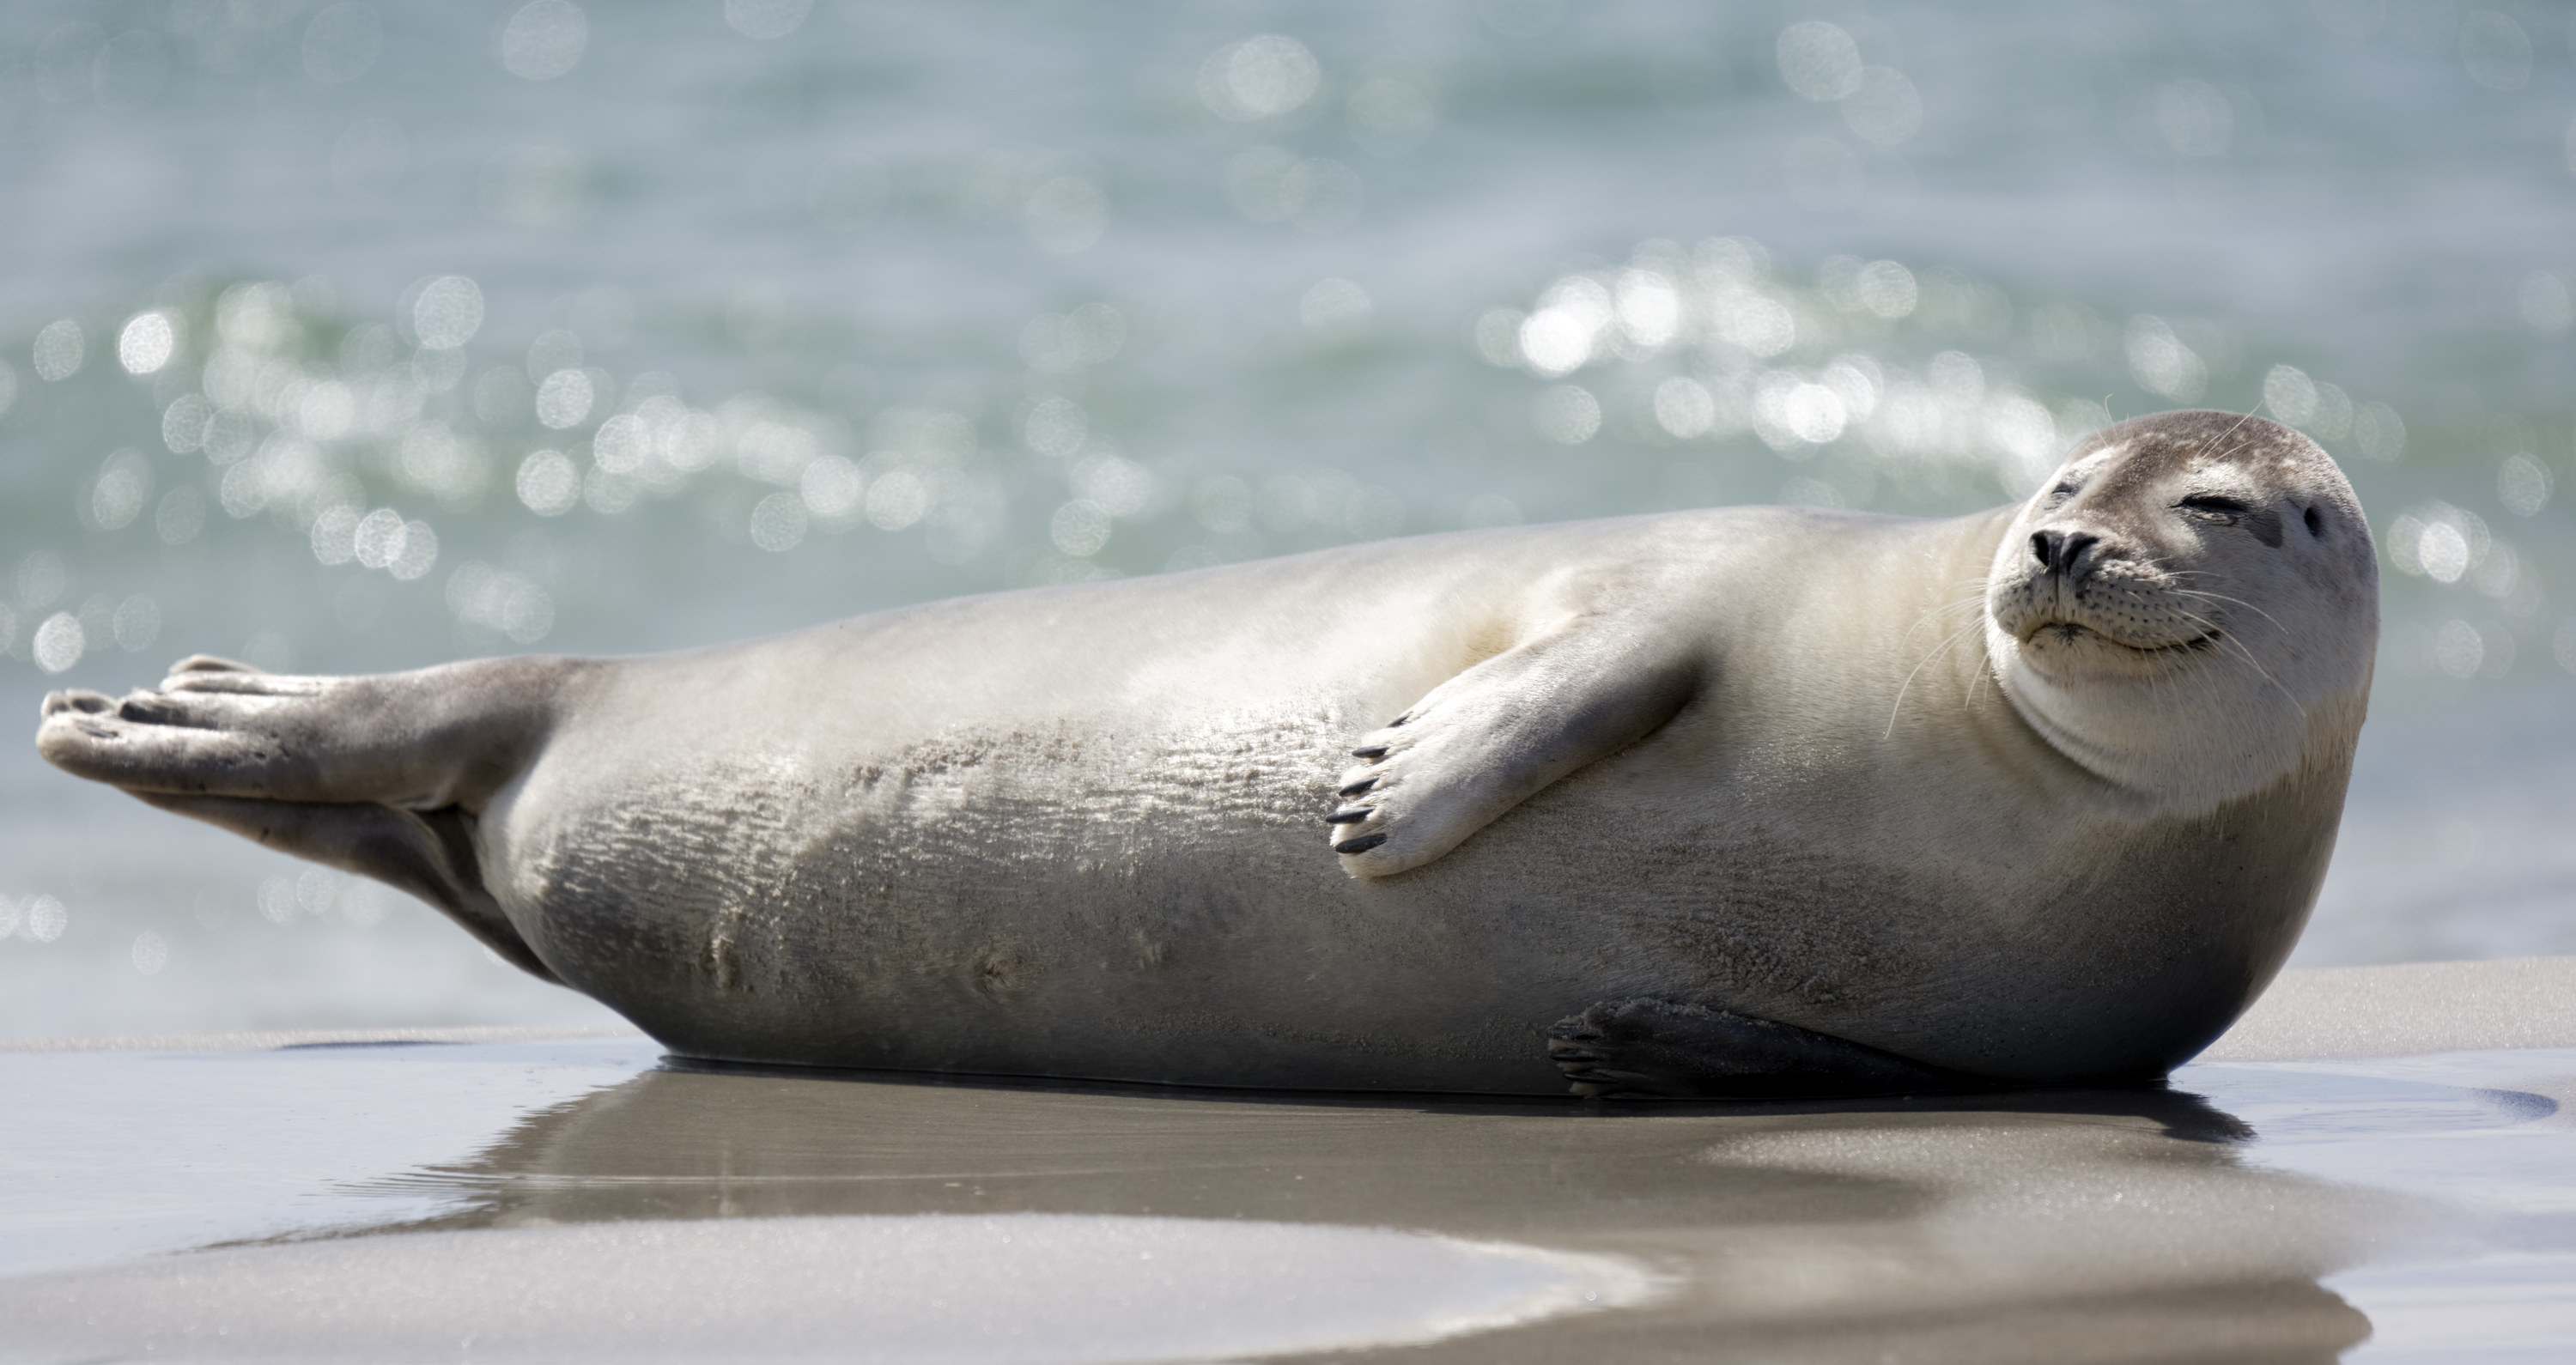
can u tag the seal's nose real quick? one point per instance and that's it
(2062, 552)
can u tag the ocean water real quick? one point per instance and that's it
(362, 336)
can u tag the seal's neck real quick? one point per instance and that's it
(2190, 740)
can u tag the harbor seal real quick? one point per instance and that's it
(1748, 800)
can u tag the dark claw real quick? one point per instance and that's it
(1361, 844)
(148, 708)
(1370, 751)
(1399, 720)
(1358, 787)
(97, 731)
(1350, 815)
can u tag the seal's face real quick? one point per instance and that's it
(2185, 601)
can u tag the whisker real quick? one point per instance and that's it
(2250, 661)
(2238, 601)
(1896, 707)
(1976, 598)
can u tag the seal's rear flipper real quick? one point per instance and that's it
(444, 736)
(1656, 1047)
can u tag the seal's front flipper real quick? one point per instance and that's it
(1496, 734)
(1655, 1047)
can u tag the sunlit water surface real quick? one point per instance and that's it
(361, 336)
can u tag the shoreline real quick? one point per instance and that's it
(2308, 1014)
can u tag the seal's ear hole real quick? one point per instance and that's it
(2316, 524)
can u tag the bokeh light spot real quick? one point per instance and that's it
(137, 623)
(60, 349)
(1567, 414)
(1888, 289)
(1263, 76)
(1389, 117)
(498, 602)
(146, 343)
(181, 515)
(832, 489)
(45, 919)
(2522, 484)
(2458, 649)
(447, 312)
(2162, 364)
(564, 399)
(1079, 529)
(1334, 304)
(2444, 553)
(2495, 49)
(766, 19)
(121, 491)
(1684, 407)
(1055, 426)
(1488, 510)
(1885, 109)
(2290, 395)
(377, 538)
(544, 39)
(897, 500)
(778, 522)
(2378, 433)
(59, 642)
(549, 483)
(1819, 60)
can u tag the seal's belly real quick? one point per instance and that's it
(1031, 901)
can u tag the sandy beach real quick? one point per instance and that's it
(2372, 1166)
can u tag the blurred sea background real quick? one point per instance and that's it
(353, 336)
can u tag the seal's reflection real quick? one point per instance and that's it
(2062, 1226)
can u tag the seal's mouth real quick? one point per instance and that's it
(2077, 634)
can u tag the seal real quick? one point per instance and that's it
(1737, 801)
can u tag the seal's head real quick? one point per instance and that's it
(2188, 609)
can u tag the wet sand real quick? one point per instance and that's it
(2375, 1165)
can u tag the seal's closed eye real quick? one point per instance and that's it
(2218, 509)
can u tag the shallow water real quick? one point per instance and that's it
(586, 1200)
(361, 336)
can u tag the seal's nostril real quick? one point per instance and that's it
(2072, 558)
(2063, 552)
